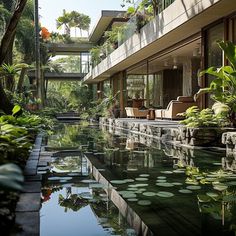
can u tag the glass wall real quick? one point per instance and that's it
(214, 55)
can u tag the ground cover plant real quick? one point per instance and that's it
(17, 134)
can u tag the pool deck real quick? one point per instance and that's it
(157, 122)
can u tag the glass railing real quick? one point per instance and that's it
(133, 25)
(163, 4)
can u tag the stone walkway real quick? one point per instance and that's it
(29, 204)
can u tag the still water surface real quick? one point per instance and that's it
(118, 184)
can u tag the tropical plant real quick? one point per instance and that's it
(11, 177)
(103, 107)
(223, 87)
(75, 20)
(206, 117)
(95, 54)
(65, 21)
(148, 5)
(9, 72)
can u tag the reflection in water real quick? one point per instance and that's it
(172, 190)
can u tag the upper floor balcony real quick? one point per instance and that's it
(177, 22)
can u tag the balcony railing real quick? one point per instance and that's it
(130, 28)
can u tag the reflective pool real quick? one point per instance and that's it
(151, 187)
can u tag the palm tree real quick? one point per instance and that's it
(65, 21)
(80, 20)
(85, 22)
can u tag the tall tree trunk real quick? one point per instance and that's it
(10, 82)
(5, 104)
(21, 80)
(11, 29)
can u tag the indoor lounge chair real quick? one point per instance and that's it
(174, 107)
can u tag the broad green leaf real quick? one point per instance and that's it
(230, 51)
(11, 177)
(16, 109)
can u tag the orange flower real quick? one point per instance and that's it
(45, 33)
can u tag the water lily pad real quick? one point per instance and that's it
(203, 198)
(128, 180)
(144, 202)
(144, 175)
(161, 180)
(229, 198)
(164, 184)
(164, 194)
(185, 191)
(141, 185)
(149, 194)
(141, 179)
(132, 189)
(220, 187)
(217, 164)
(132, 186)
(166, 172)
(88, 181)
(96, 186)
(231, 183)
(179, 171)
(129, 195)
(193, 187)
(140, 190)
(132, 199)
(210, 179)
(118, 181)
(177, 183)
(212, 195)
(161, 177)
(125, 192)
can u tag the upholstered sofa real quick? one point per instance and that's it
(174, 107)
(133, 112)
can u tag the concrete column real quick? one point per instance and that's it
(122, 103)
(190, 79)
(187, 78)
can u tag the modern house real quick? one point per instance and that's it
(162, 60)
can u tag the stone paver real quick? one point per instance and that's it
(32, 187)
(33, 178)
(30, 171)
(29, 221)
(29, 202)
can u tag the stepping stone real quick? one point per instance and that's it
(42, 163)
(32, 187)
(33, 158)
(29, 202)
(43, 168)
(31, 164)
(33, 178)
(29, 221)
(30, 171)
(41, 172)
